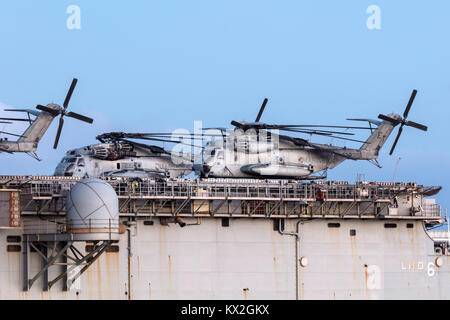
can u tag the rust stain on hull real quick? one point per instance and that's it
(245, 292)
(150, 291)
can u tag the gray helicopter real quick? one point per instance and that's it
(29, 140)
(258, 150)
(116, 155)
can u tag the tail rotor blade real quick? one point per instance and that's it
(79, 117)
(58, 133)
(416, 125)
(396, 140)
(410, 102)
(69, 93)
(386, 118)
(261, 110)
(47, 109)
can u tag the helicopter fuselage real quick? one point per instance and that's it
(259, 160)
(105, 160)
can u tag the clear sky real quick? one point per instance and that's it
(160, 65)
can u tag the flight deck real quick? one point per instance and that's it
(45, 195)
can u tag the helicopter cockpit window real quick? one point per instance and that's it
(81, 162)
(70, 160)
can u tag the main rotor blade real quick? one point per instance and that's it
(171, 141)
(325, 131)
(5, 122)
(15, 119)
(410, 102)
(58, 133)
(219, 128)
(269, 126)
(177, 134)
(79, 117)
(416, 125)
(396, 139)
(261, 110)
(47, 109)
(386, 118)
(33, 112)
(11, 134)
(167, 137)
(237, 124)
(69, 93)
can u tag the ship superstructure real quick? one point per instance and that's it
(225, 239)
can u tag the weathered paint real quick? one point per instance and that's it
(209, 261)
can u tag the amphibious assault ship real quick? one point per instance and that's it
(225, 239)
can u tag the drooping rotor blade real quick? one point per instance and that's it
(58, 133)
(342, 138)
(324, 131)
(396, 139)
(167, 137)
(8, 122)
(166, 140)
(69, 93)
(47, 109)
(370, 121)
(309, 132)
(386, 118)
(11, 134)
(179, 134)
(237, 124)
(14, 119)
(79, 117)
(219, 128)
(410, 102)
(312, 126)
(279, 126)
(416, 125)
(261, 110)
(33, 112)
(356, 119)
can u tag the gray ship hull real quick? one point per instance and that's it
(249, 259)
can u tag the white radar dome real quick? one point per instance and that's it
(92, 206)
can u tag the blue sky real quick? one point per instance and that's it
(160, 65)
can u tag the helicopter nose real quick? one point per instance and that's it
(205, 170)
(197, 168)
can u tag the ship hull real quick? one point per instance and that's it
(248, 259)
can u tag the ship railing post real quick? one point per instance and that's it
(448, 230)
(26, 262)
